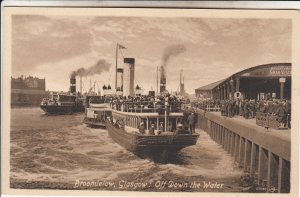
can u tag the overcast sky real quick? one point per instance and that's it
(52, 47)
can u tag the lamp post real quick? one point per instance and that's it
(282, 81)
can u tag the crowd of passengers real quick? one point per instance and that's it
(249, 108)
(186, 125)
(141, 103)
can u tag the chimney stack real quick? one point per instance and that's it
(182, 91)
(163, 80)
(128, 77)
(73, 85)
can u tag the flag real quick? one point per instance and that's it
(121, 46)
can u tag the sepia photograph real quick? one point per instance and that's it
(150, 100)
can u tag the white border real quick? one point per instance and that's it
(152, 4)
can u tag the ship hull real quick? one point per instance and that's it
(151, 143)
(79, 109)
(58, 109)
(95, 123)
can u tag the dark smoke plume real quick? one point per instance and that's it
(172, 51)
(98, 68)
(169, 52)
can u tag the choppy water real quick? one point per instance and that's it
(60, 152)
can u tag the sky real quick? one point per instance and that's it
(52, 47)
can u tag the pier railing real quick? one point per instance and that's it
(265, 155)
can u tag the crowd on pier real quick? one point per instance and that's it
(249, 108)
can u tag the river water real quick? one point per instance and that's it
(60, 152)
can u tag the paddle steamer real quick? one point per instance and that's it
(97, 111)
(142, 129)
(57, 103)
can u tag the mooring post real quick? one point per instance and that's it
(269, 170)
(229, 141)
(280, 174)
(245, 155)
(236, 149)
(214, 131)
(236, 145)
(232, 143)
(259, 175)
(252, 160)
(219, 133)
(263, 166)
(240, 156)
(223, 137)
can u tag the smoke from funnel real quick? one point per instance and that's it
(98, 68)
(169, 52)
(172, 51)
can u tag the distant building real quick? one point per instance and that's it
(27, 91)
(259, 82)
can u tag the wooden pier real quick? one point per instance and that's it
(263, 153)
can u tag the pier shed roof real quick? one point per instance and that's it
(211, 85)
(264, 71)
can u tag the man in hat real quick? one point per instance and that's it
(151, 129)
(280, 114)
(191, 121)
(161, 127)
(142, 128)
(179, 128)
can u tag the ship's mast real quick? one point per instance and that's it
(94, 87)
(80, 85)
(90, 90)
(117, 49)
(117, 53)
(181, 76)
(157, 80)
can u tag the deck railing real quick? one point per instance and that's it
(146, 107)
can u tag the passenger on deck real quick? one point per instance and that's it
(121, 124)
(142, 128)
(195, 121)
(151, 129)
(115, 124)
(191, 121)
(280, 113)
(179, 129)
(161, 127)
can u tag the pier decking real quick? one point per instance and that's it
(264, 153)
